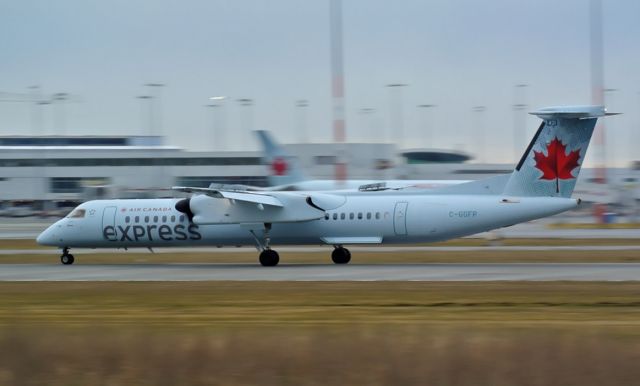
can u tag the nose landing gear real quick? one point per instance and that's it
(66, 258)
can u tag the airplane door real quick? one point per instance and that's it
(109, 219)
(400, 218)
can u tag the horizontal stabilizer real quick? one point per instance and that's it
(571, 112)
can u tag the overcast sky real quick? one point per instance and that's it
(453, 53)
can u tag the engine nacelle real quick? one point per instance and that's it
(295, 208)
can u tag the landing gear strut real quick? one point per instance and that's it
(66, 258)
(340, 255)
(268, 257)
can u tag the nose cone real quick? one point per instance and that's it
(48, 237)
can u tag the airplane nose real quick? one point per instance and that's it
(48, 236)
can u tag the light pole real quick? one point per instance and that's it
(480, 134)
(395, 111)
(367, 123)
(60, 122)
(146, 99)
(301, 119)
(427, 131)
(519, 131)
(36, 110)
(608, 94)
(214, 127)
(155, 103)
(246, 106)
(219, 120)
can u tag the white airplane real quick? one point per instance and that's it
(540, 185)
(287, 174)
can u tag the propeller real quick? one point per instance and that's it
(184, 206)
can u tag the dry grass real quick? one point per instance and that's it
(205, 304)
(389, 333)
(360, 356)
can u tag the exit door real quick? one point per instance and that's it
(109, 220)
(400, 218)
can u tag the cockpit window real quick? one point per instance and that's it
(77, 213)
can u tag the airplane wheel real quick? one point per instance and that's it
(67, 259)
(269, 258)
(341, 256)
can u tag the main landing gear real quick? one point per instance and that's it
(66, 258)
(268, 257)
(340, 255)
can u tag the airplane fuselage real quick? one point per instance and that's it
(378, 218)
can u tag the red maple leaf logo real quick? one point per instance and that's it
(279, 166)
(557, 164)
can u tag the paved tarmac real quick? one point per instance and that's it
(322, 272)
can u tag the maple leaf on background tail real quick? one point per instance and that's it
(279, 166)
(557, 164)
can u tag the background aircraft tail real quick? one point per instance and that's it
(284, 169)
(551, 163)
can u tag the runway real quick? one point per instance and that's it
(317, 272)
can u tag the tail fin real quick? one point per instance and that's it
(284, 169)
(552, 161)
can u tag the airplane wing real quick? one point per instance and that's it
(216, 205)
(245, 196)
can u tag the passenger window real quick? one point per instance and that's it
(164, 218)
(127, 219)
(326, 216)
(181, 218)
(78, 213)
(146, 218)
(377, 215)
(173, 218)
(359, 215)
(137, 218)
(368, 215)
(351, 216)
(155, 218)
(342, 216)
(335, 216)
